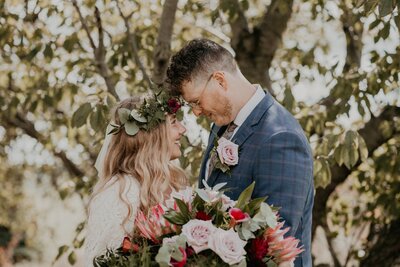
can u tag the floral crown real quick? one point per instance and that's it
(150, 114)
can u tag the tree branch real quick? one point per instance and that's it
(239, 25)
(373, 140)
(84, 25)
(162, 51)
(133, 45)
(99, 52)
(100, 57)
(27, 126)
(353, 30)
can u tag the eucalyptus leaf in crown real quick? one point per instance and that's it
(149, 115)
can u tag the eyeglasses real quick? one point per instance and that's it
(196, 104)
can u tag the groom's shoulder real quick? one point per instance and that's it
(278, 120)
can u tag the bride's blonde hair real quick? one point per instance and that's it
(146, 157)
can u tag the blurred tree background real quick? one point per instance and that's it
(334, 64)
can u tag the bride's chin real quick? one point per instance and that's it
(175, 155)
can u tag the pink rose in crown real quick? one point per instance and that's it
(227, 152)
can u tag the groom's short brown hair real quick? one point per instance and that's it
(199, 57)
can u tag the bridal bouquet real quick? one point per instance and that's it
(204, 227)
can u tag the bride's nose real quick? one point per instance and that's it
(182, 128)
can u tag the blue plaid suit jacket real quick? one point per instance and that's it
(273, 152)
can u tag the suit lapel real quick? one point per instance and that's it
(215, 130)
(243, 133)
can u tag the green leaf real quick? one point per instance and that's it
(123, 114)
(384, 33)
(80, 115)
(72, 258)
(48, 52)
(338, 155)
(214, 15)
(254, 205)
(362, 146)
(97, 119)
(266, 215)
(370, 5)
(374, 24)
(245, 196)
(70, 42)
(61, 251)
(243, 263)
(137, 116)
(385, 7)
(33, 52)
(183, 208)
(78, 243)
(322, 173)
(131, 128)
(353, 158)
(163, 256)
(179, 115)
(289, 101)
(271, 263)
(111, 101)
(159, 115)
(175, 217)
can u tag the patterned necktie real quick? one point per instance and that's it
(227, 134)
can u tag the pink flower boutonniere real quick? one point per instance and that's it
(227, 154)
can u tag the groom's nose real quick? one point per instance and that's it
(197, 111)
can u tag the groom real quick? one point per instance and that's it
(273, 150)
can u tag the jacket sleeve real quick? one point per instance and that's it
(283, 173)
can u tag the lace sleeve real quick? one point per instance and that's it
(107, 212)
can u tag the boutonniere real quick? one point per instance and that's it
(227, 154)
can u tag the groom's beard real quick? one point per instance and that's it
(225, 116)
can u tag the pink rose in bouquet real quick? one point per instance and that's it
(228, 245)
(197, 233)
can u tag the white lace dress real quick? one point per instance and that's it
(106, 215)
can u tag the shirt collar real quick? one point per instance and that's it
(249, 106)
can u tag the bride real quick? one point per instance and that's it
(135, 170)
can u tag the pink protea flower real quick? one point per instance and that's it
(280, 248)
(154, 225)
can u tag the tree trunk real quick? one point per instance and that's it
(385, 250)
(255, 50)
(162, 51)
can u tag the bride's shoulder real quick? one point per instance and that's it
(125, 181)
(127, 184)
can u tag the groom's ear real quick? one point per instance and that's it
(219, 76)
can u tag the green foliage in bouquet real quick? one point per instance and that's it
(127, 258)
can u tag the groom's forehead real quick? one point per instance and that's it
(188, 90)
